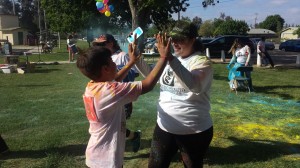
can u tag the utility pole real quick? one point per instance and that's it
(45, 25)
(255, 19)
(179, 8)
(14, 9)
(39, 16)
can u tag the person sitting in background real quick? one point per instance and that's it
(241, 55)
(121, 58)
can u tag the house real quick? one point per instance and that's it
(287, 34)
(261, 33)
(10, 29)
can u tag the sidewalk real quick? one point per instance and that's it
(23, 48)
(281, 59)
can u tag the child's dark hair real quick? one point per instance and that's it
(91, 61)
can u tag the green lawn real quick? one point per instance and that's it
(43, 120)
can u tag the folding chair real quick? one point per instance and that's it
(242, 82)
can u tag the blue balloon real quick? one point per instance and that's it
(99, 5)
(111, 8)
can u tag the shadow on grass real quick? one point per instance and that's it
(269, 90)
(222, 78)
(70, 150)
(45, 70)
(32, 86)
(245, 151)
(145, 144)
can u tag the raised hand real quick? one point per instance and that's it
(133, 53)
(163, 45)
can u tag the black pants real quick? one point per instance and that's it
(3, 146)
(192, 147)
(267, 58)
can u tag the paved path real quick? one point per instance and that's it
(280, 58)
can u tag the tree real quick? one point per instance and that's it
(197, 21)
(28, 13)
(232, 27)
(297, 32)
(273, 22)
(68, 15)
(222, 16)
(144, 12)
(206, 29)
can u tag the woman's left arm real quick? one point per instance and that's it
(198, 79)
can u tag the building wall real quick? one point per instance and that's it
(8, 35)
(13, 36)
(8, 21)
(287, 34)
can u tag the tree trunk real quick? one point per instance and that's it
(140, 18)
(133, 8)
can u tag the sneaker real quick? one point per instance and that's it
(3, 150)
(136, 141)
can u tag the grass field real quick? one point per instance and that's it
(42, 119)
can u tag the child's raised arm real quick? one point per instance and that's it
(163, 45)
(133, 57)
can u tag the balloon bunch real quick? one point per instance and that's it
(103, 7)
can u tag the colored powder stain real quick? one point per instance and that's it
(294, 157)
(259, 131)
(275, 102)
(291, 125)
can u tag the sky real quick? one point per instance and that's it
(251, 11)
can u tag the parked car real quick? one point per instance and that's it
(268, 45)
(205, 40)
(224, 43)
(290, 45)
(149, 39)
(150, 46)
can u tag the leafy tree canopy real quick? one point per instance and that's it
(232, 27)
(273, 22)
(206, 29)
(297, 32)
(75, 15)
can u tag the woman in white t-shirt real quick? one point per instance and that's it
(183, 111)
(240, 57)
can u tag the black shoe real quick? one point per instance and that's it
(136, 141)
(3, 153)
(3, 146)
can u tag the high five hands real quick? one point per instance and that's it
(133, 52)
(163, 45)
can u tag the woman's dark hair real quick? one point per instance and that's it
(70, 36)
(116, 45)
(234, 45)
(91, 61)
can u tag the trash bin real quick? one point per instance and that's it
(7, 48)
